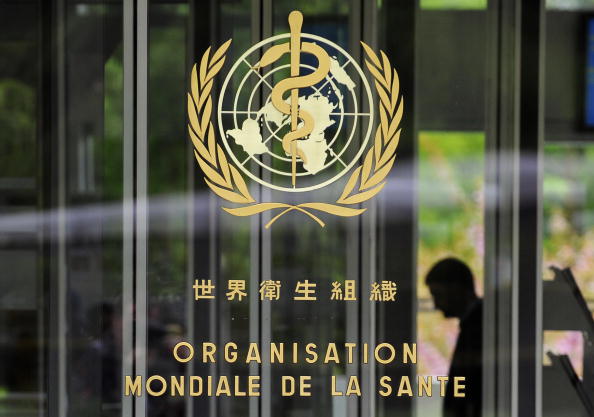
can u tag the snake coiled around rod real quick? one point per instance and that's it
(290, 83)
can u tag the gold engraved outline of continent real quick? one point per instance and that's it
(227, 81)
(226, 181)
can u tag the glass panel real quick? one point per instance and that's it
(224, 253)
(192, 243)
(61, 223)
(61, 212)
(451, 188)
(568, 212)
(22, 314)
(93, 90)
(568, 262)
(167, 180)
(451, 109)
(302, 252)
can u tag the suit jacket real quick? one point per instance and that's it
(467, 362)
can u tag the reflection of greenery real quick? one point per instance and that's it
(454, 4)
(17, 136)
(168, 149)
(111, 167)
(167, 174)
(113, 127)
(167, 133)
(568, 238)
(451, 220)
(451, 187)
(314, 8)
(450, 199)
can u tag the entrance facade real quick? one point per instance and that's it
(107, 227)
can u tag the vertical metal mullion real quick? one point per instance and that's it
(213, 308)
(364, 28)
(256, 238)
(62, 281)
(529, 332)
(128, 29)
(215, 256)
(53, 81)
(399, 226)
(500, 307)
(490, 336)
(514, 130)
(190, 214)
(262, 27)
(45, 159)
(141, 180)
(258, 311)
(369, 311)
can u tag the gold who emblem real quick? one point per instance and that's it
(225, 180)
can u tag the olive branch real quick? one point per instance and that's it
(226, 181)
(221, 176)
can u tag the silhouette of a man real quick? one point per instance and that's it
(451, 284)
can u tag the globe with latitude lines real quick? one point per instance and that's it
(252, 128)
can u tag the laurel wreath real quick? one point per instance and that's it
(224, 179)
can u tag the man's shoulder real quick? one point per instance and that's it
(474, 318)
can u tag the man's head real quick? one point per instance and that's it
(451, 284)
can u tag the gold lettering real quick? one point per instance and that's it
(223, 387)
(425, 385)
(331, 354)
(195, 392)
(277, 352)
(459, 386)
(150, 390)
(253, 354)
(408, 353)
(405, 387)
(254, 385)
(379, 359)
(385, 383)
(442, 385)
(230, 352)
(310, 349)
(133, 387)
(190, 352)
(177, 385)
(208, 351)
(353, 387)
(350, 347)
(290, 390)
(237, 391)
(304, 386)
(335, 392)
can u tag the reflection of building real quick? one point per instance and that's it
(92, 120)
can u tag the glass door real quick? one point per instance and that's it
(115, 250)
